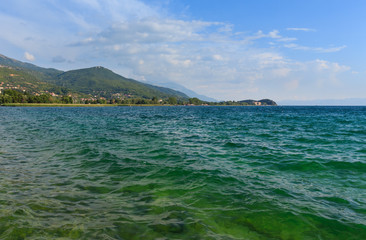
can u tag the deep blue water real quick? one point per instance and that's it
(183, 173)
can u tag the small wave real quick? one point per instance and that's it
(337, 200)
(353, 166)
(361, 150)
(315, 141)
(233, 145)
(301, 166)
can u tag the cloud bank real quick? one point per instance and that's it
(143, 42)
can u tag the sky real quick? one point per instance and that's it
(227, 50)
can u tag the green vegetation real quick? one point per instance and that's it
(263, 102)
(195, 101)
(16, 78)
(17, 96)
(172, 100)
(55, 105)
(10, 97)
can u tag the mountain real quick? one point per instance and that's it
(21, 79)
(102, 81)
(95, 81)
(39, 72)
(187, 91)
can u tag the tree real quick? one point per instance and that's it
(5, 98)
(15, 96)
(172, 100)
(45, 98)
(195, 101)
(141, 101)
(66, 99)
(102, 101)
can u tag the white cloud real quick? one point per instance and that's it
(217, 57)
(334, 67)
(301, 29)
(274, 34)
(287, 39)
(330, 50)
(149, 31)
(29, 56)
(314, 49)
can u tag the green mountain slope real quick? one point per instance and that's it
(39, 72)
(16, 78)
(96, 81)
(103, 82)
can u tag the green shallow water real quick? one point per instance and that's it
(183, 173)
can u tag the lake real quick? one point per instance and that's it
(183, 173)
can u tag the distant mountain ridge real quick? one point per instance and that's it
(326, 102)
(95, 81)
(186, 91)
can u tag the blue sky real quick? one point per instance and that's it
(228, 50)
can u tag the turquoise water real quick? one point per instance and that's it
(183, 173)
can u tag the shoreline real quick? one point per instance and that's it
(115, 105)
(54, 105)
(81, 105)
